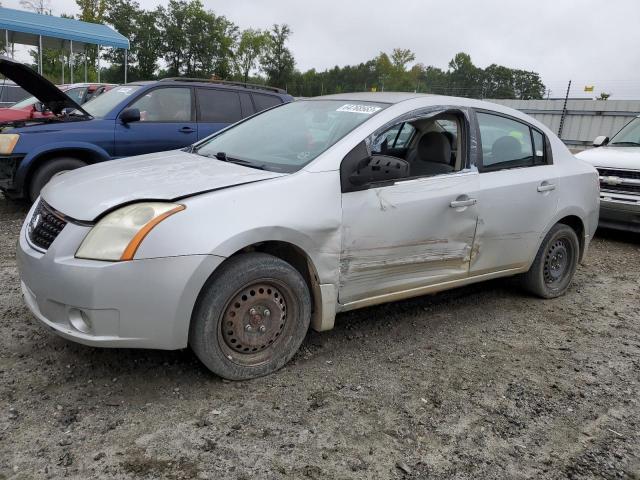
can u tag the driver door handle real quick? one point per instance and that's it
(463, 203)
(546, 187)
(187, 130)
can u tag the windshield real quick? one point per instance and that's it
(27, 102)
(101, 105)
(286, 138)
(629, 136)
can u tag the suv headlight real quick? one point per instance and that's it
(119, 234)
(8, 143)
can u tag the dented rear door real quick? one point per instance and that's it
(407, 235)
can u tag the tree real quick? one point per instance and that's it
(39, 6)
(277, 61)
(465, 79)
(251, 46)
(92, 11)
(196, 41)
(401, 57)
(603, 96)
(147, 41)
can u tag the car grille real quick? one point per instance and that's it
(608, 172)
(44, 226)
(619, 181)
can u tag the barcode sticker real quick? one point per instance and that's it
(355, 108)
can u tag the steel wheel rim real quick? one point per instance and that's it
(557, 262)
(255, 321)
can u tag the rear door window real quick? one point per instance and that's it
(263, 102)
(218, 106)
(506, 143)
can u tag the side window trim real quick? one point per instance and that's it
(158, 87)
(480, 164)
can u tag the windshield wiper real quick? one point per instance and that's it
(626, 143)
(245, 163)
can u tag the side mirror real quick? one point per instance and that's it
(600, 141)
(379, 168)
(129, 115)
(38, 107)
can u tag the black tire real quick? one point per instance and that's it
(555, 264)
(251, 317)
(47, 170)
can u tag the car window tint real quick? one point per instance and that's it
(538, 148)
(246, 104)
(165, 105)
(76, 94)
(506, 143)
(16, 94)
(263, 102)
(218, 106)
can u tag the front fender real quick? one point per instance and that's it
(35, 154)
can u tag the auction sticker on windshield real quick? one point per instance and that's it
(126, 90)
(354, 108)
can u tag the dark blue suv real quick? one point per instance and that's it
(132, 119)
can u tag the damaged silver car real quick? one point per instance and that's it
(236, 245)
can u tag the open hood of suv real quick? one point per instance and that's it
(51, 96)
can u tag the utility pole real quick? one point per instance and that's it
(564, 111)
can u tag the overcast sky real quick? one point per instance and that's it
(589, 41)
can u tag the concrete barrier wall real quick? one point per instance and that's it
(584, 120)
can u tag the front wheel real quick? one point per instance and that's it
(555, 264)
(251, 317)
(48, 170)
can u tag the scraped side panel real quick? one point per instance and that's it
(406, 235)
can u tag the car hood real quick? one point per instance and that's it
(86, 193)
(612, 157)
(38, 86)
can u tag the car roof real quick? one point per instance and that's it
(203, 82)
(381, 97)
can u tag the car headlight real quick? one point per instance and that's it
(118, 235)
(8, 142)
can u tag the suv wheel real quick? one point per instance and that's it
(48, 170)
(555, 264)
(251, 317)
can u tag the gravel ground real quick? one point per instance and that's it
(479, 382)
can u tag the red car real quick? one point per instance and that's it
(31, 107)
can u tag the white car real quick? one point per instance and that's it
(238, 244)
(618, 164)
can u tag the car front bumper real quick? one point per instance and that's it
(139, 304)
(620, 211)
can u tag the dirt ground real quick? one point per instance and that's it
(480, 382)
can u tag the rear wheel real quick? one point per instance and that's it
(555, 264)
(251, 317)
(48, 170)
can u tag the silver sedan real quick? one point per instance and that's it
(238, 244)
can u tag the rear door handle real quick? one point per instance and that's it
(463, 203)
(187, 130)
(546, 187)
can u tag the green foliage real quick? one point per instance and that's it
(251, 47)
(392, 72)
(196, 41)
(278, 62)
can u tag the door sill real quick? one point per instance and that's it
(418, 291)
